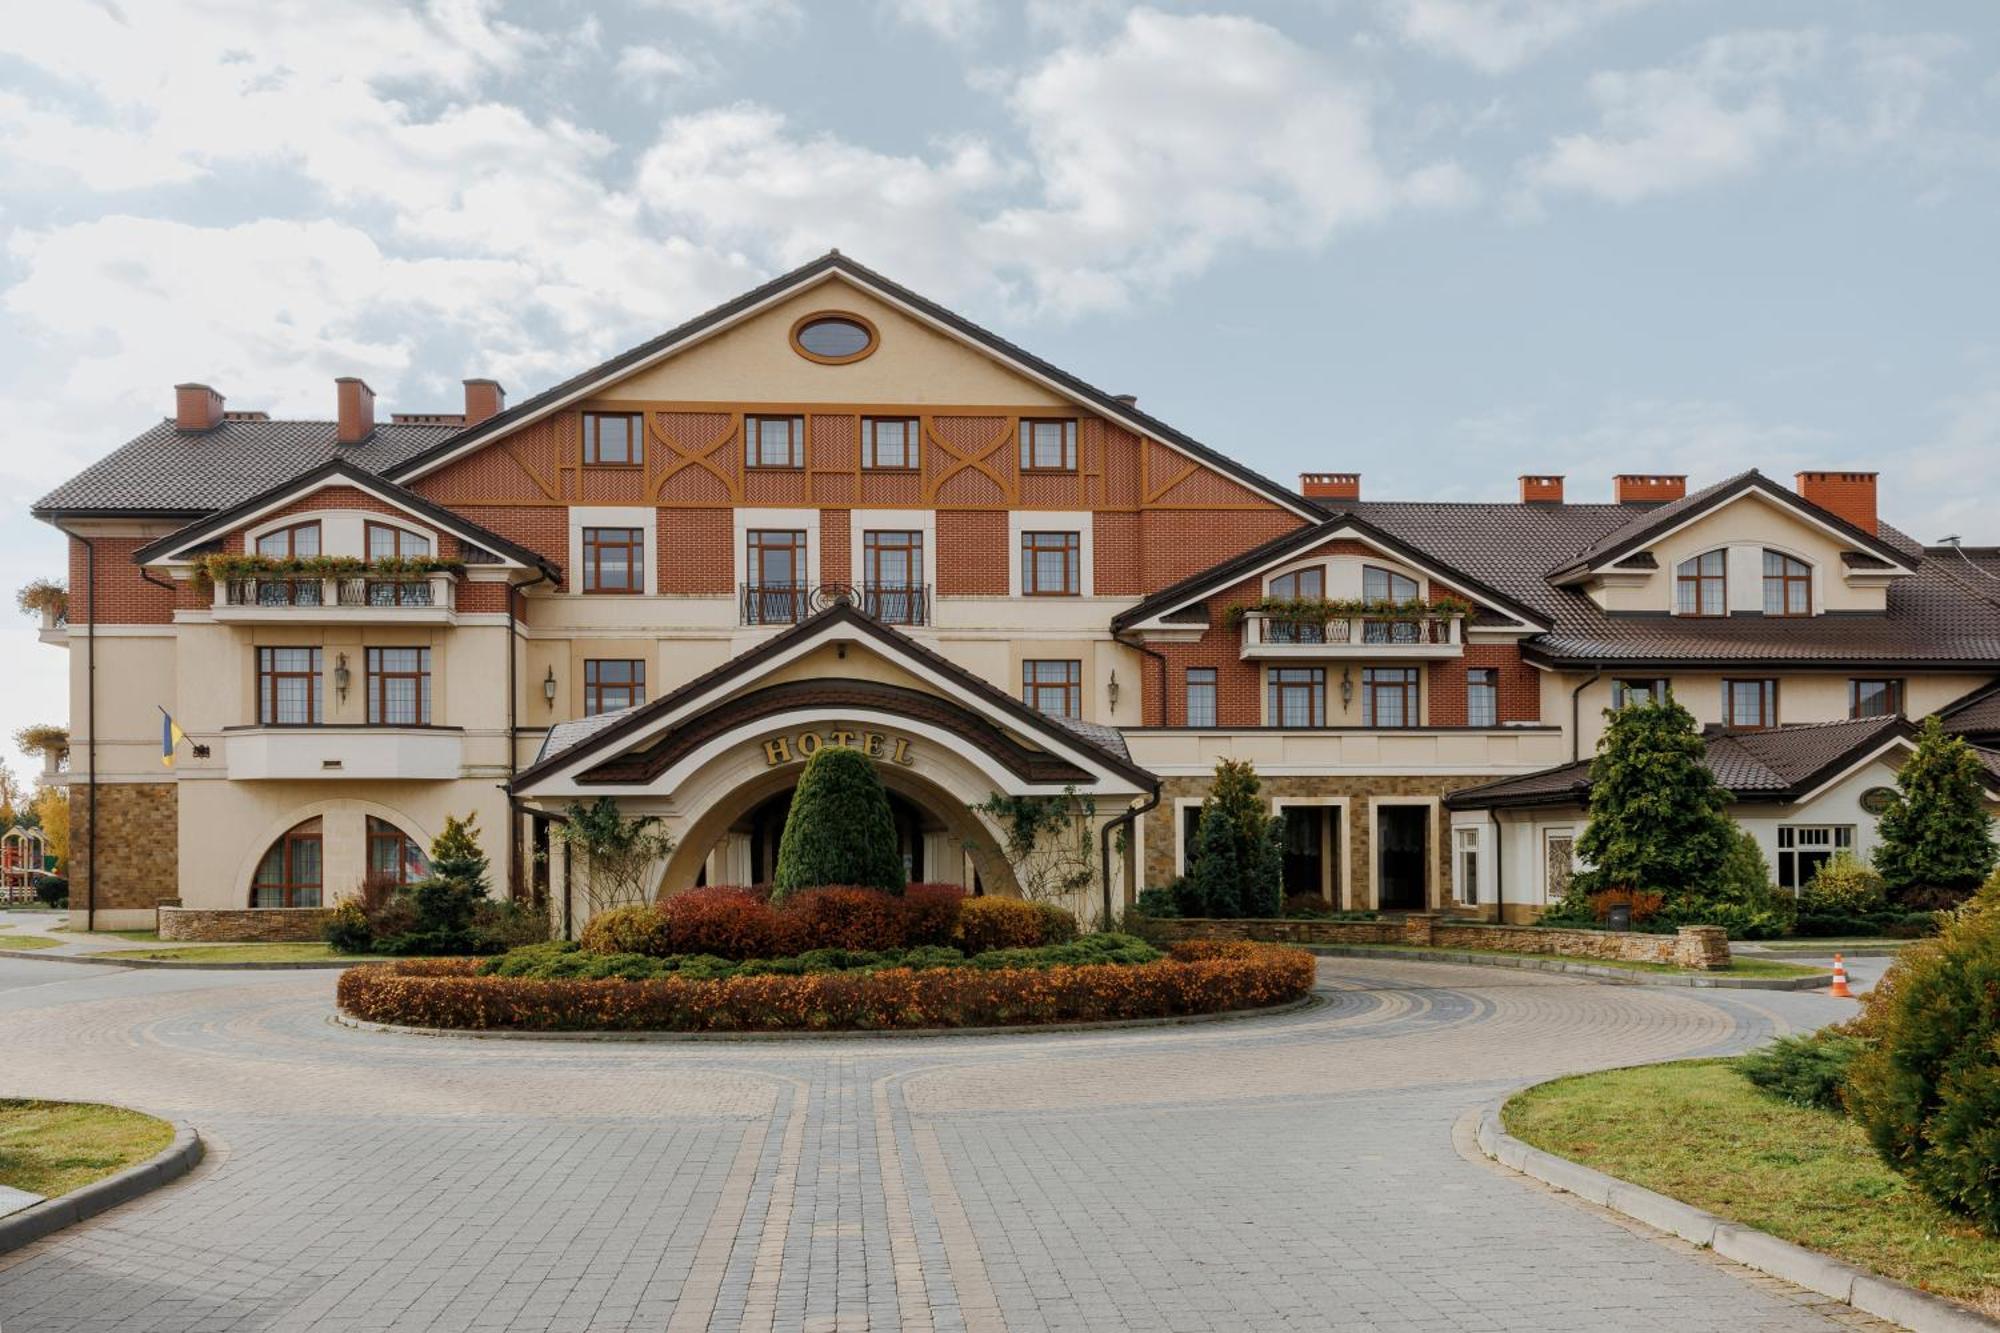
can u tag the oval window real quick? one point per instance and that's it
(833, 338)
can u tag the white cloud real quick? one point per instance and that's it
(737, 18)
(952, 20)
(1498, 36)
(647, 67)
(1717, 115)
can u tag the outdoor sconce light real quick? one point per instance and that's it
(1111, 688)
(341, 676)
(549, 687)
(1346, 687)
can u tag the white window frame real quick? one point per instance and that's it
(1789, 847)
(1458, 853)
(1181, 803)
(1568, 831)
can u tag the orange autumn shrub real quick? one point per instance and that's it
(844, 917)
(722, 920)
(741, 923)
(930, 914)
(449, 993)
(627, 930)
(1011, 923)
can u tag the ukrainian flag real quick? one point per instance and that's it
(170, 736)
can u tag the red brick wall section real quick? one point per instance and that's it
(1175, 543)
(1116, 555)
(123, 596)
(482, 597)
(543, 529)
(696, 552)
(834, 555)
(1851, 495)
(972, 553)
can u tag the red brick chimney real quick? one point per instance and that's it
(1330, 485)
(357, 409)
(196, 408)
(483, 399)
(1851, 495)
(1541, 490)
(1635, 488)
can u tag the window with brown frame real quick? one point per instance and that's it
(614, 560)
(1296, 696)
(1874, 698)
(776, 560)
(293, 543)
(393, 856)
(1482, 697)
(613, 439)
(1389, 697)
(1053, 686)
(889, 444)
(1701, 585)
(1635, 691)
(1201, 696)
(1048, 446)
(610, 684)
(1750, 705)
(1299, 585)
(399, 687)
(289, 688)
(290, 873)
(1787, 585)
(1051, 564)
(774, 442)
(385, 541)
(892, 576)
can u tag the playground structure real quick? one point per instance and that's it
(23, 855)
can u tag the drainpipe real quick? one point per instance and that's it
(1499, 871)
(513, 737)
(90, 723)
(1576, 713)
(1128, 819)
(1159, 657)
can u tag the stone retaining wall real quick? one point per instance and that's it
(1702, 948)
(251, 924)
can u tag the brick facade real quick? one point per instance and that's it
(122, 595)
(248, 925)
(138, 844)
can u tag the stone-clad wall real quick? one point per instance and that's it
(1700, 947)
(260, 924)
(137, 844)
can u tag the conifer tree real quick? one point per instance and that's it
(1238, 864)
(840, 829)
(1935, 833)
(1658, 817)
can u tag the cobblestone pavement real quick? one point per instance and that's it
(1292, 1172)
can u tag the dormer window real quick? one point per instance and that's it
(386, 542)
(1299, 584)
(293, 543)
(1701, 586)
(1787, 585)
(1386, 585)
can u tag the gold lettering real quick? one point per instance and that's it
(844, 739)
(777, 751)
(871, 744)
(809, 743)
(902, 754)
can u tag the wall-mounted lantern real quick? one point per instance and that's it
(342, 677)
(1111, 688)
(1346, 687)
(549, 687)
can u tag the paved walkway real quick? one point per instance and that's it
(1296, 1172)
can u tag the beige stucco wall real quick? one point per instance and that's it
(1339, 754)
(1746, 526)
(754, 362)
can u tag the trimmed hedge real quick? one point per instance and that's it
(1012, 923)
(562, 960)
(450, 993)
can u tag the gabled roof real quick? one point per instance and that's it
(1653, 522)
(1974, 713)
(168, 473)
(1781, 765)
(340, 471)
(571, 742)
(1177, 597)
(925, 310)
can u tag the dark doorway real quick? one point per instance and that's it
(1312, 848)
(1402, 854)
(766, 827)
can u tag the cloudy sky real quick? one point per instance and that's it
(1439, 242)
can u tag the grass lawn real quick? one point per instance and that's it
(1698, 1131)
(306, 951)
(51, 1148)
(13, 940)
(1739, 966)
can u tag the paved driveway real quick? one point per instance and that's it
(1296, 1172)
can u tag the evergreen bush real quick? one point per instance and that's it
(1844, 886)
(840, 829)
(1658, 818)
(1238, 865)
(1805, 1071)
(1935, 837)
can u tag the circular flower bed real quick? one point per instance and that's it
(881, 993)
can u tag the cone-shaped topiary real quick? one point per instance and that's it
(839, 830)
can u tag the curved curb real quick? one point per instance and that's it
(1843, 1282)
(38, 1220)
(843, 1034)
(105, 958)
(1529, 962)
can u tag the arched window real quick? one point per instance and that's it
(1301, 585)
(290, 873)
(1787, 585)
(1386, 585)
(393, 856)
(1701, 585)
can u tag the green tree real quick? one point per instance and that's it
(1657, 815)
(1935, 833)
(1238, 864)
(839, 829)
(455, 854)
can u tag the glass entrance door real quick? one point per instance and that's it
(1403, 837)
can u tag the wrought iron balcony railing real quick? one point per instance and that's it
(789, 603)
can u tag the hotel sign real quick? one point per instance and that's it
(806, 744)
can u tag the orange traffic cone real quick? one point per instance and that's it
(1839, 990)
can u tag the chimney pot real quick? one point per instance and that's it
(1541, 490)
(1642, 488)
(196, 408)
(1848, 495)
(1129, 399)
(483, 399)
(1330, 485)
(357, 409)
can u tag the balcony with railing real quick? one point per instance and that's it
(408, 598)
(789, 603)
(1275, 636)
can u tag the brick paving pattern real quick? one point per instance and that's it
(1294, 1172)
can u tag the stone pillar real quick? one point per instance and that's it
(1705, 948)
(1418, 928)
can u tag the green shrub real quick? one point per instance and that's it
(1158, 903)
(561, 959)
(1805, 1071)
(839, 829)
(1739, 898)
(1011, 923)
(347, 929)
(1843, 887)
(1658, 818)
(1058, 924)
(1237, 866)
(1935, 834)
(500, 926)
(1100, 948)
(628, 930)
(1928, 1089)
(51, 890)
